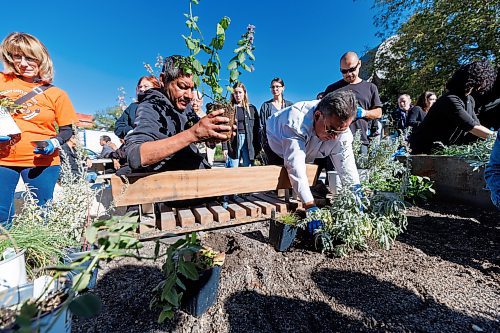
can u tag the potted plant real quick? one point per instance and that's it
(12, 263)
(191, 278)
(282, 230)
(49, 307)
(205, 65)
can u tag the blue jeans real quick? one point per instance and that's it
(242, 152)
(492, 173)
(41, 181)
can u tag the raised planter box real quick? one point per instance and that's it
(453, 179)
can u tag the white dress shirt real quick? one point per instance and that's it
(290, 133)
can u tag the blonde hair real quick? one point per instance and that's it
(245, 102)
(29, 46)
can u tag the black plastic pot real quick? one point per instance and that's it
(202, 293)
(73, 254)
(281, 235)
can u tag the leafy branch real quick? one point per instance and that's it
(210, 72)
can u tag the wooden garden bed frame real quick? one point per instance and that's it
(255, 201)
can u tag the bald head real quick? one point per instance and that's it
(349, 56)
(349, 67)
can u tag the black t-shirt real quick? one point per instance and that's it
(368, 98)
(448, 121)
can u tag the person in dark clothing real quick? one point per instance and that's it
(451, 120)
(166, 128)
(369, 104)
(246, 143)
(400, 115)
(417, 114)
(125, 123)
(271, 106)
(69, 154)
(488, 105)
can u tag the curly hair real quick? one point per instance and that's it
(478, 76)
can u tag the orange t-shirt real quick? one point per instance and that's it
(37, 121)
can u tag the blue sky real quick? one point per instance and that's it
(99, 46)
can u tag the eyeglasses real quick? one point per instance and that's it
(19, 58)
(349, 70)
(331, 131)
(276, 87)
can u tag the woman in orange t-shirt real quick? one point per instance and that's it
(28, 68)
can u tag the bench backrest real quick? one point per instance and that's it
(137, 189)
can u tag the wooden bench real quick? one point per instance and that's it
(253, 185)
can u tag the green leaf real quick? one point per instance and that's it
(91, 234)
(232, 65)
(172, 297)
(86, 305)
(246, 67)
(250, 54)
(224, 22)
(180, 284)
(81, 281)
(233, 76)
(165, 314)
(241, 58)
(188, 269)
(197, 66)
(239, 49)
(220, 29)
(206, 49)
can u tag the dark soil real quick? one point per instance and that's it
(442, 275)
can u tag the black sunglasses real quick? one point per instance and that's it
(349, 70)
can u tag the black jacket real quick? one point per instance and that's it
(448, 121)
(252, 129)
(125, 123)
(158, 119)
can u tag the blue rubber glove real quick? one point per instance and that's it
(314, 224)
(52, 145)
(360, 112)
(4, 138)
(360, 196)
(400, 152)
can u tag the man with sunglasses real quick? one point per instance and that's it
(305, 131)
(369, 104)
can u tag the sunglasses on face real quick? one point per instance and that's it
(331, 131)
(349, 70)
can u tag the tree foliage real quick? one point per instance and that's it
(434, 37)
(106, 119)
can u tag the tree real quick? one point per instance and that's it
(106, 119)
(437, 38)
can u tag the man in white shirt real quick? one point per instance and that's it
(305, 131)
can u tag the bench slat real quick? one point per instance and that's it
(236, 211)
(185, 217)
(220, 214)
(203, 215)
(279, 204)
